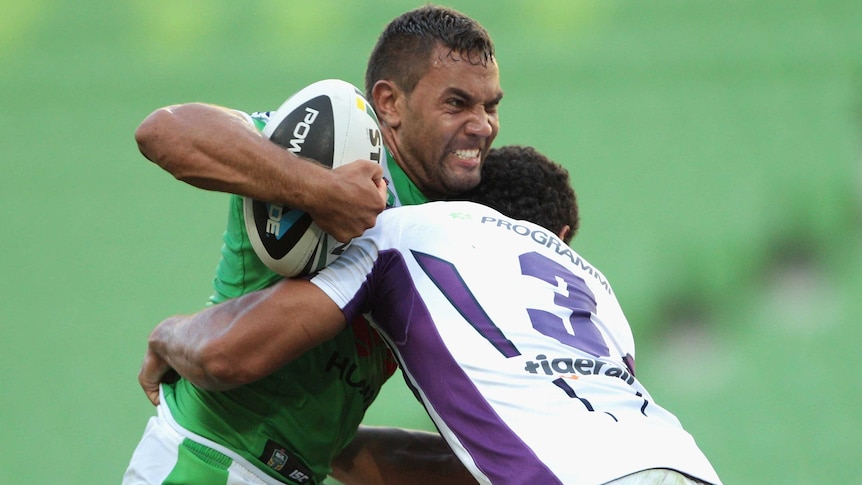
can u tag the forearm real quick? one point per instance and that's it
(216, 148)
(180, 343)
(379, 456)
(246, 338)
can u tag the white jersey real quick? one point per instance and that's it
(516, 346)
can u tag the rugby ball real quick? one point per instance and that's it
(332, 123)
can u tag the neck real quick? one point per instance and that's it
(391, 143)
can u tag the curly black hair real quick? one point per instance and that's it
(524, 184)
(403, 50)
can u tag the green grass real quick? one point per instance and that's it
(713, 146)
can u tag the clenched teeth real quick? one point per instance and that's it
(467, 153)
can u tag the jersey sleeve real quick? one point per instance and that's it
(346, 281)
(240, 271)
(258, 118)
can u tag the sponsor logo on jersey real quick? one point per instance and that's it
(371, 358)
(574, 368)
(277, 460)
(351, 375)
(550, 241)
(284, 462)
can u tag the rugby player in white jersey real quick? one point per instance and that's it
(514, 343)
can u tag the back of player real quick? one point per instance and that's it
(515, 344)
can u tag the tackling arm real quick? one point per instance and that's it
(379, 456)
(241, 340)
(216, 148)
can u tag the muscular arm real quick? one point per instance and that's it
(241, 340)
(379, 456)
(246, 338)
(215, 148)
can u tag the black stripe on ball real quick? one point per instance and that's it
(277, 248)
(309, 130)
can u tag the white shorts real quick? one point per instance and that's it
(169, 454)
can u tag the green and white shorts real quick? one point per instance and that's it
(170, 455)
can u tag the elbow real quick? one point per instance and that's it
(149, 132)
(159, 139)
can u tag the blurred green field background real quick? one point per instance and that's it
(715, 148)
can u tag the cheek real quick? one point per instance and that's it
(419, 130)
(495, 127)
(428, 138)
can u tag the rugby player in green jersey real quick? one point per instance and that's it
(434, 83)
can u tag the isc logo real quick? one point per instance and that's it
(300, 131)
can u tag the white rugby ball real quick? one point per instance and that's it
(328, 121)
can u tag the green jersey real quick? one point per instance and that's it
(292, 423)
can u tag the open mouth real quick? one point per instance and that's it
(467, 154)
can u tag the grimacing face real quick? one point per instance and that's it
(448, 123)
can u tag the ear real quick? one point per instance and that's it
(564, 232)
(386, 96)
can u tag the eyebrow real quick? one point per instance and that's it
(464, 94)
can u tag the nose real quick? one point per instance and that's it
(482, 123)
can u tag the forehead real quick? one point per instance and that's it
(453, 72)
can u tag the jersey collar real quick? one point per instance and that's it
(402, 191)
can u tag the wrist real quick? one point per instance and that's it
(310, 186)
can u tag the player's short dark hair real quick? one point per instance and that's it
(524, 184)
(403, 50)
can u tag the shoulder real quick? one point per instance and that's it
(436, 208)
